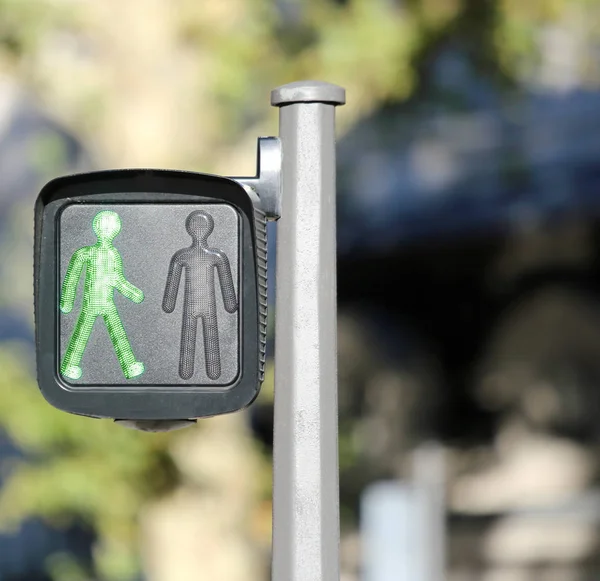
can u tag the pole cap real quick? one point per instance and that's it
(308, 92)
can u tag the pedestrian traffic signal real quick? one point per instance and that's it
(150, 294)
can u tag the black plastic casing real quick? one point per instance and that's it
(149, 402)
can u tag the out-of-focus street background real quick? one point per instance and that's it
(468, 281)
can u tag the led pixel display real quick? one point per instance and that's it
(149, 292)
(103, 276)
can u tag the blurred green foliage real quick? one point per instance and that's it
(77, 468)
(235, 51)
(380, 50)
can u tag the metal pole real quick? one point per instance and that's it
(429, 477)
(305, 472)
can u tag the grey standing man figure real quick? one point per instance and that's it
(200, 262)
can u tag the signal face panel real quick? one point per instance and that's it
(185, 263)
(150, 294)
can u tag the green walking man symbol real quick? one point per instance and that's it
(104, 275)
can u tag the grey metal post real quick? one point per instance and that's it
(429, 477)
(305, 472)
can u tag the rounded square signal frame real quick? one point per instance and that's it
(147, 401)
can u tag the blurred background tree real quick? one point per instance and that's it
(184, 84)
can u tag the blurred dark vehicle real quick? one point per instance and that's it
(478, 233)
(469, 313)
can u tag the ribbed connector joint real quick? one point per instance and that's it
(260, 222)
